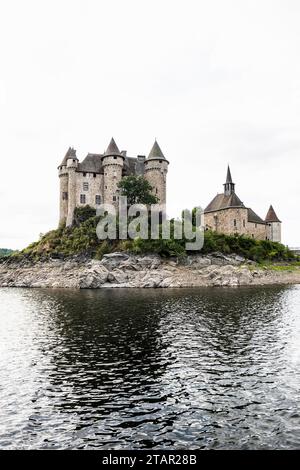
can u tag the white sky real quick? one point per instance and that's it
(216, 82)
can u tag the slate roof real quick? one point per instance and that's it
(71, 153)
(221, 201)
(91, 164)
(133, 166)
(156, 153)
(112, 149)
(272, 216)
(253, 217)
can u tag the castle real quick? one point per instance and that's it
(227, 214)
(95, 181)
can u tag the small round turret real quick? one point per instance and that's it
(112, 163)
(69, 163)
(274, 225)
(156, 169)
(68, 189)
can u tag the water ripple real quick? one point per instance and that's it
(134, 369)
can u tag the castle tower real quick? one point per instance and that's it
(72, 164)
(274, 225)
(112, 163)
(229, 185)
(70, 160)
(156, 169)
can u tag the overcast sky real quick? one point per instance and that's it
(216, 82)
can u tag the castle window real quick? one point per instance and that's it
(115, 158)
(159, 161)
(64, 196)
(94, 175)
(114, 198)
(156, 190)
(234, 222)
(84, 174)
(255, 225)
(85, 186)
(98, 199)
(82, 199)
(244, 223)
(105, 187)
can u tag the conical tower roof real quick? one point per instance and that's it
(156, 153)
(112, 149)
(228, 177)
(71, 153)
(271, 215)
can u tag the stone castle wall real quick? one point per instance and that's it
(112, 167)
(94, 188)
(156, 175)
(63, 196)
(234, 220)
(274, 231)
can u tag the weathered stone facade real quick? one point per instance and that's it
(275, 231)
(95, 180)
(227, 214)
(234, 220)
(156, 174)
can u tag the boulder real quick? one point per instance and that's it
(113, 260)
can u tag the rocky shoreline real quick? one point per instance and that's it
(119, 270)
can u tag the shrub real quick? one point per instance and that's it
(81, 238)
(81, 214)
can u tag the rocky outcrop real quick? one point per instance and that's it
(124, 270)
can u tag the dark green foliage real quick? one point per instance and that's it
(257, 250)
(5, 252)
(81, 214)
(81, 239)
(137, 190)
(66, 241)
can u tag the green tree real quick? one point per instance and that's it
(137, 190)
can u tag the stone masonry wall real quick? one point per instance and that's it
(95, 188)
(103, 185)
(71, 194)
(112, 168)
(156, 175)
(63, 196)
(223, 222)
(274, 231)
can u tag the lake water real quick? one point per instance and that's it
(136, 369)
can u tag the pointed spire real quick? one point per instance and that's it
(112, 149)
(156, 153)
(229, 185)
(228, 178)
(271, 215)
